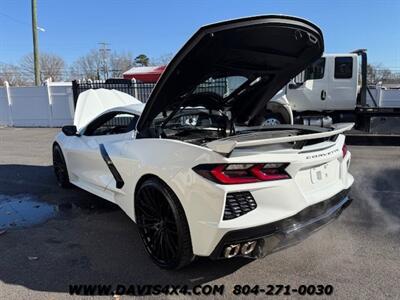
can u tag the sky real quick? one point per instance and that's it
(157, 28)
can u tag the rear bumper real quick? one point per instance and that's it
(284, 233)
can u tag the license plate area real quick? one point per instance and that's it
(320, 174)
(318, 177)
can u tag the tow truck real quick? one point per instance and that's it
(334, 89)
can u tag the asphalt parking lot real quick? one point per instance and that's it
(88, 240)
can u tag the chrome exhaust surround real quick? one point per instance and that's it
(248, 247)
(232, 250)
(245, 249)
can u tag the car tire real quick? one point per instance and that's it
(162, 225)
(60, 168)
(272, 119)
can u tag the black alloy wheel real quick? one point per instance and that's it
(162, 225)
(60, 168)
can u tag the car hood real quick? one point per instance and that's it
(267, 50)
(92, 103)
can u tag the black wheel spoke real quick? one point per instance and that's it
(152, 226)
(170, 222)
(150, 202)
(162, 245)
(169, 244)
(149, 212)
(157, 224)
(157, 243)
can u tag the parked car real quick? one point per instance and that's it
(195, 182)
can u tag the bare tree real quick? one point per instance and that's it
(371, 73)
(89, 66)
(96, 66)
(120, 62)
(12, 74)
(162, 60)
(384, 75)
(51, 66)
(378, 73)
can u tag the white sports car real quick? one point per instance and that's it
(192, 169)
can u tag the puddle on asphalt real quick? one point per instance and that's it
(25, 210)
(18, 211)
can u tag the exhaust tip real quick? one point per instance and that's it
(244, 249)
(232, 250)
(248, 247)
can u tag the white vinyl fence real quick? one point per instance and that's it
(50, 105)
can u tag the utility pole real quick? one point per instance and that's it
(35, 43)
(104, 57)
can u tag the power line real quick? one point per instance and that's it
(104, 51)
(20, 21)
(104, 47)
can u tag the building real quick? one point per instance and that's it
(144, 74)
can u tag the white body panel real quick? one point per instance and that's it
(341, 94)
(203, 201)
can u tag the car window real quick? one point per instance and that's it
(343, 67)
(112, 123)
(223, 86)
(315, 70)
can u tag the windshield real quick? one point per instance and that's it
(204, 106)
(197, 125)
(197, 117)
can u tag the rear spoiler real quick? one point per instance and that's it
(226, 146)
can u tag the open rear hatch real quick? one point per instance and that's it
(267, 51)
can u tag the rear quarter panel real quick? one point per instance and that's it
(171, 161)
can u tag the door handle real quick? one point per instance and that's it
(323, 95)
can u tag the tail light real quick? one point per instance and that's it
(344, 150)
(242, 173)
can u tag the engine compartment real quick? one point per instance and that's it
(205, 118)
(225, 130)
(199, 137)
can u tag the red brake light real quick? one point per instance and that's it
(266, 174)
(243, 173)
(231, 176)
(344, 150)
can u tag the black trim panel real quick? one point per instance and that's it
(118, 179)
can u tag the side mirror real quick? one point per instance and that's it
(70, 130)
